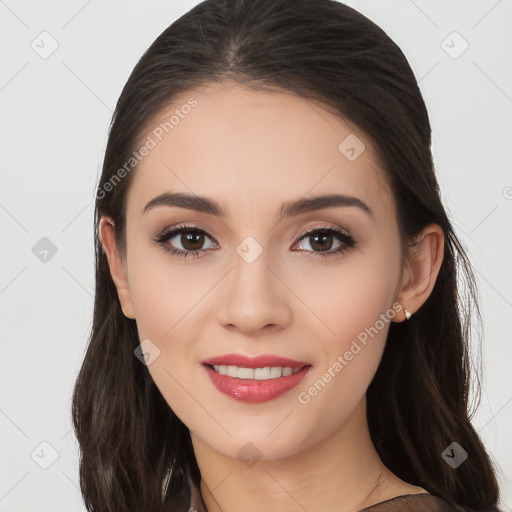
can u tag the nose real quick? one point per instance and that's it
(253, 298)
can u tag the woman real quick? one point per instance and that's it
(277, 323)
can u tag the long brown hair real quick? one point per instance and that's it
(134, 451)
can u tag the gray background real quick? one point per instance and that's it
(53, 126)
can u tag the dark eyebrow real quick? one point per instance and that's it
(200, 204)
(318, 202)
(289, 209)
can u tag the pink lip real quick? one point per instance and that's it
(254, 390)
(255, 362)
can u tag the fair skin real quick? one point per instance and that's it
(251, 151)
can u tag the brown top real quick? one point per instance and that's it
(189, 500)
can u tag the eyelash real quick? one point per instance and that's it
(347, 240)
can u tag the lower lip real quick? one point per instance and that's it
(253, 390)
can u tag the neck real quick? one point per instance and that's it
(343, 473)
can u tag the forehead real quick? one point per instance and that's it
(246, 147)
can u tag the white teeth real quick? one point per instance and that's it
(242, 373)
(275, 371)
(269, 372)
(262, 373)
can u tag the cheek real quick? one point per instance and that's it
(346, 299)
(354, 304)
(350, 356)
(165, 315)
(163, 295)
(167, 302)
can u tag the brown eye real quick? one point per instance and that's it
(184, 241)
(323, 239)
(192, 241)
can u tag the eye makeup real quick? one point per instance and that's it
(190, 234)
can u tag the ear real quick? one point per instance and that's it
(421, 269)
(116, 264)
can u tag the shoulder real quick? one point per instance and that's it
(422, 502)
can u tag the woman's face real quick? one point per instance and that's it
(258, 285)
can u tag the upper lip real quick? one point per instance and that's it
(260, 361)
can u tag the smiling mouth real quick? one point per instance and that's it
(264, 373)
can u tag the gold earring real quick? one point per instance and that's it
(407, 314)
